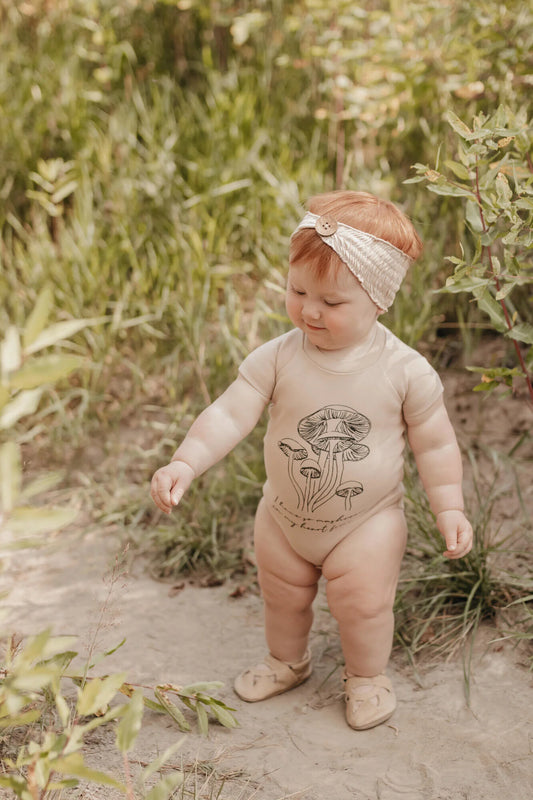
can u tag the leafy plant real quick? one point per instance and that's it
(34, 709)
(51, 727)
(25, 374)
(494, 178)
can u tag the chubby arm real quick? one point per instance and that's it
(218, 429)
(440, 467)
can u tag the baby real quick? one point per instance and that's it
(342, 391)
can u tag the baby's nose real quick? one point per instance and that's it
(311, 311)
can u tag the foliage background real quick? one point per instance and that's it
(154, 159)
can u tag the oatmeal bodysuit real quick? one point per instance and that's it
(335, 436)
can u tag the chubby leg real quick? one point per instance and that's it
(362, 574)
(288, 585)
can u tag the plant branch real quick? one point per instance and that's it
(508, 321)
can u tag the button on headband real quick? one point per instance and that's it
(326, 226)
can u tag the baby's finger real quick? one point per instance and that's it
(160, 492)
(176, 495)
(451, 543)
(464, 542)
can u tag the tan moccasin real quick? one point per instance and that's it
(369, 701)
(271, 677)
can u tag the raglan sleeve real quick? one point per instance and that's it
(423, 391)
(259, 368)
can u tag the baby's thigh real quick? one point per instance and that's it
(276, 560)
(365, 565)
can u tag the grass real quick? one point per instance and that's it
(442, 603)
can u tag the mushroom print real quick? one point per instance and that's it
(334, 434)
(348, 490)
(294, 452)
(311, 470)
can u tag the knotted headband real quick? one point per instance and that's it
(379, 266)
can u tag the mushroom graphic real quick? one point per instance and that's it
(348, 490)
(294, 452)
(334, 433)
(310, 469)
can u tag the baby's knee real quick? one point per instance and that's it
(280, 593)
(348, 601)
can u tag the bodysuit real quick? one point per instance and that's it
(335, 435)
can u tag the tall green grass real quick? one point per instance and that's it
(441, 604)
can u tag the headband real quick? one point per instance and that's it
(378, 265)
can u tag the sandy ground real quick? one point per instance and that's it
(296, 745)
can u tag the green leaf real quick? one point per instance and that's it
(34, 679)
(154, 706)
(64, 191)
(107, 653)
(458, 125)
(452, 190)
(62, 709)
(458, 169)
(75, 765)
(29, 520)
(59, 332)
(486, 387)
(224, 716)
(130, 724)
(44, 646)
(16, 720)
(155, 766)
(97, 722)
(503, 190)
(203, 720)
(492, 307)
(171, 709)
(17, 784)
(38, 317)
(10, 351)
(41, 484)
(473, 216)
(165, 787)
(522, 332)
(23, 405)
(4, 396)
(505, 290)
(44, 202)
(47, 369)
(10, 476)
(470, 284)
(98, 693)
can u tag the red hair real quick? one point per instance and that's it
(360, 210)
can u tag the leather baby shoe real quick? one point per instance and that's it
(369, 701)
(271, 677)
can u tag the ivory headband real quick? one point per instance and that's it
(378, 265)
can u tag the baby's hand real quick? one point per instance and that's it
(170, 483)
(457, 531)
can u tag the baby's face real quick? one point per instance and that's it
(334, 311)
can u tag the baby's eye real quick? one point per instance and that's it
(297, 291)
(332, 304)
